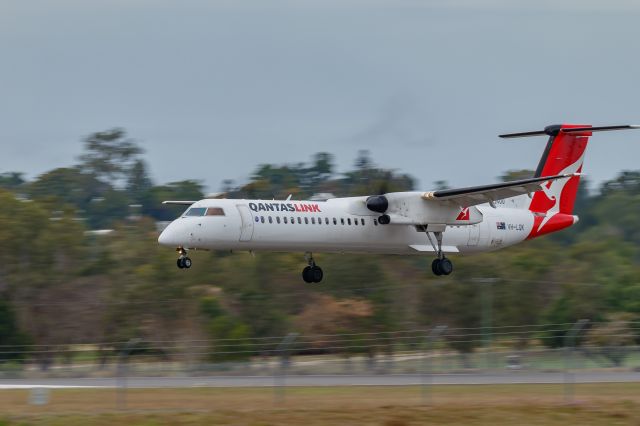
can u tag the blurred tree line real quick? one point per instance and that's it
(63, 283)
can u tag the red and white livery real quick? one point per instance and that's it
(464, 220)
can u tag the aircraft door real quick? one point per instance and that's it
(246, 227)
(474, 234)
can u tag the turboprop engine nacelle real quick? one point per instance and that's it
(377, 203)
(410, 208)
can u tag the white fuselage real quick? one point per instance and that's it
(335, 226)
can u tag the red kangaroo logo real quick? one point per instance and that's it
(464, 214)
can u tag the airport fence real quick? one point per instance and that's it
(546, 347)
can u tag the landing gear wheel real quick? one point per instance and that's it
(184, 263)
(316, 274)
(435, 267)
(442, 266)
(307, 274)
(312, 274)
(446, 266)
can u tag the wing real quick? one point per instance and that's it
(474, 195)
(180, 203)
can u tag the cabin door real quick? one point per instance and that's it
(246, 228)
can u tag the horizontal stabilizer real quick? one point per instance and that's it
(553, 130)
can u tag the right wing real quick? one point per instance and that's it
(474, 195)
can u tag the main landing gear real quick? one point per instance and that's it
(311, 273)
(183, 262)
(440, 265)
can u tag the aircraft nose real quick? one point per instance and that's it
(168, 236)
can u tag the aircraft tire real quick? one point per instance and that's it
(186, 262)
(445, 266)
(435, 267)
(179, 263)
(317, 274)
(307, 276)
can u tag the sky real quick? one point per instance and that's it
(211, 89)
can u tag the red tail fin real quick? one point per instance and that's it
(564, 154)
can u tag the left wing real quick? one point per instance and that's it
(180, 203)
(474, 195)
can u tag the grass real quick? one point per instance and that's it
(608, 404)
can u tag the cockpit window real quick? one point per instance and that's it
(196, 211)
(215, 211)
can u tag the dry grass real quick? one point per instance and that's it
(604, 404)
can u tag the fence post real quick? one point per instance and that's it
(280, 374)
(569, 349)
(122, 371)
(427, 370)
(487, 315)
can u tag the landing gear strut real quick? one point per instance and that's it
(183, 262)
(440, 265)
(311, 273)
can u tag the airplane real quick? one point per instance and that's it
(442, 222)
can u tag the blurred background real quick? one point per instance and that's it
(110, 108)
(82, 275)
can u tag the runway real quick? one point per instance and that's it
(326, 380)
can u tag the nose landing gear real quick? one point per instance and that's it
(183, 262)
(311, 273)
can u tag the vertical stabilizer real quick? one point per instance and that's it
(564, 154)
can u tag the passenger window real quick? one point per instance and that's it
(293, 220)
(261, 219)
(362, 221)
(196, 211)
(349, 221)
(257, 219)
(335, 221)
(299, 220)
(278, 219)
(375, 221)
(215, 211)
(306, 220)
(326, 220)
(342, 220)
(270, 219)
(313, 220)
(285, 220)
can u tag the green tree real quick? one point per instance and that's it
(614, 339)
(139, 184)
(186, 190)
(109, 155)
(230, 337)
(12, 340)
(68, 185)
(11, 180)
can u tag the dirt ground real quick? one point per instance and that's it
(602, 404)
